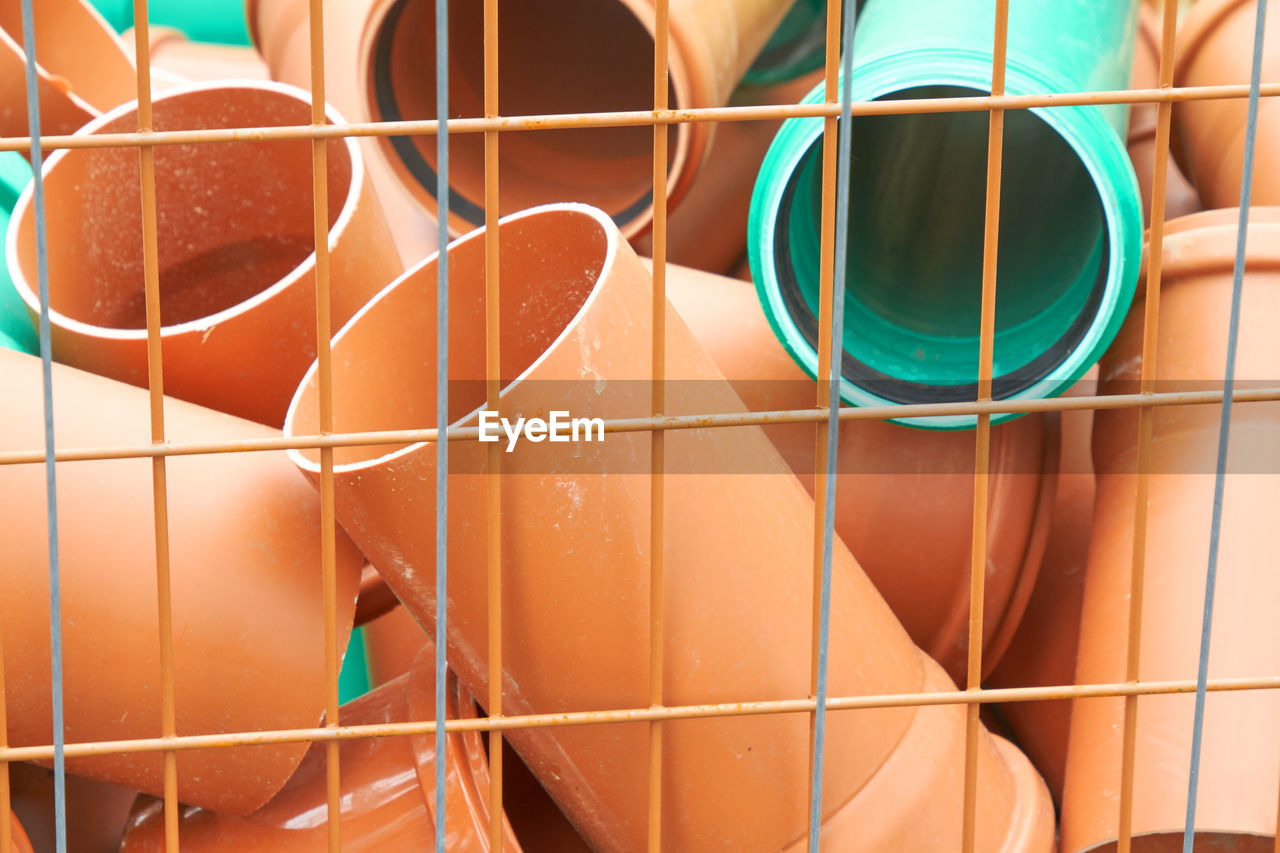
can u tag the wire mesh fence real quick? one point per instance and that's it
(660, 412)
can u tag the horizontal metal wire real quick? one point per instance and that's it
(665, 422)
(669, 712)
(646, 118)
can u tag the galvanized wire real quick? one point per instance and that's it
(1224, 427)
(51, 480)
(844, 147)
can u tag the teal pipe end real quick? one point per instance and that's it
(17, 332)
(7, 342)
(217, 21)
(1068, 259)
(353, 679)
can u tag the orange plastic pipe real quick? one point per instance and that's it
(18, 841)
(176, 59)
(1240, 763)
(1180, 197)
(236, 263)
(553, 60)
(244, 558)
(708, 229)
(388, 788)
(1215, 46)
(576, 566)
(95, 811)
(1042, 652)
(892, 480)
(82, 66)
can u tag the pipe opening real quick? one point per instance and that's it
(229, 221)
(553, 60)
(913, 281)
(384, 360)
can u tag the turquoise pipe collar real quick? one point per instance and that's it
(16, 329)
(217, 21)
(1071, 226)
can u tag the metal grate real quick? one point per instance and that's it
(827, 412)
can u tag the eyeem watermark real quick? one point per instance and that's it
(560, 427)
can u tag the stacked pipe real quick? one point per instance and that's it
(235, 322)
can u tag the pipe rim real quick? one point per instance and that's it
(1205, 241)
(609, 253)
(1107, 165)
(202, 324)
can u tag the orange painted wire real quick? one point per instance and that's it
(155, 386)
(328, 525)
(646, 424)
(632, 715)
(657, 460)
(1150, 340)
(982, 451)
(632, 118)
(493, 390)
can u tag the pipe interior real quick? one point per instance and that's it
(550, 262)
(553, 60)
(229, 219)
(913, 281)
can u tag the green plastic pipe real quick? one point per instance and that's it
(353, 679)
(1070, 214)
(797, 47)
(16, 329)
(218, 21)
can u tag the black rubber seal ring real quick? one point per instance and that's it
(903, 391)
(419, 168)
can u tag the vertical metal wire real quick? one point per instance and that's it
(1224, 428)
(1150, 345)
(442, 401)
(982, 452)
(657, 483)
(826, 305)
(840, 254)
(155, 386)
(328, 531)
(51, 483)
(493, 390)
